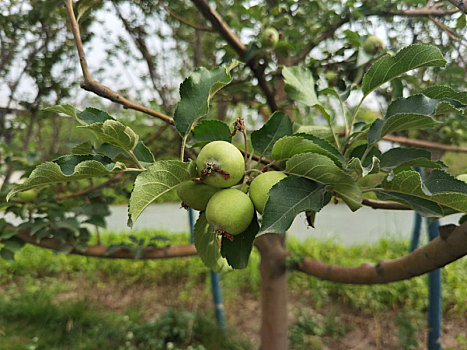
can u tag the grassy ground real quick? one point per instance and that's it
(53, 301)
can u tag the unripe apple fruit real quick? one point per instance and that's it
(224, 163)
(332, 78)
(445, 131)
(196, 195)
(269, 37)
(230, 210)
(27, 196)
(260, 186)
(373, 44)
(462, 177)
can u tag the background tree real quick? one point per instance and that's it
(328, 41)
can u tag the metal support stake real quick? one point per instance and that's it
(416, 232)
(434, 295)
(216, 289)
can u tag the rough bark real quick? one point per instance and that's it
(99, 251)
(448, 247)
(273, 273)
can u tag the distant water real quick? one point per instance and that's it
(335, 222)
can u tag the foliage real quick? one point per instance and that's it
(35, 263)
(317, 169)
(37, 321)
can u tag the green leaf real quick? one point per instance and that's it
(195, 93)
(115, 133)
(92, 115)
(277, 126)
(322, 169)
(115, 248)
(300, 85)
(422, 206)
(237, 252)
(141, 152)
(82, 148)
(63, 109)
(407, 157)
(320, 131)
(207, 246)
(324, 144)
(355, 164)
(289, 146)
(446, 92)
(7, 254)
(439, 187)
(6, 233)
(85, 6)
(13, 244)
(389, 67)
(418, 104)
(358, 152)
(398, 122)
(159, 178)
(446, 107)
(96, 221)
(287, 199)
(210, 130)
(68, 168)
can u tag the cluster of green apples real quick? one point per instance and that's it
(228, 209)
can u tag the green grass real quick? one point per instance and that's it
(38, 263)
(32, 318)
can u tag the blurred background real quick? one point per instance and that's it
(144, 50)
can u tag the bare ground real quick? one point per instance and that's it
(362, 331)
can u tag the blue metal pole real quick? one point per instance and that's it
(216, 289)
(416, 232)
(434, 296)
(191, 218)
(217, 299)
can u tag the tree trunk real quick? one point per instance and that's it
(273, 272)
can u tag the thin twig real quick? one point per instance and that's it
(181, 19)
(154, 136)
(384, 205)
(460, 4)
(420, 143)
(246, 148)
(90, 84)
(425, 144)
(448, 31)
(233, 40)
(113, 179)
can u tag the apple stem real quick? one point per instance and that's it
(239, 125)
(246, 148)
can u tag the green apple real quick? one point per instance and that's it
(269, 37)
(445, 131)
(226, 162)
(373, 45)
(27, 196)
(332, 78)
(230, 210)
(462, 177)
(196, 195)
(260, 186)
